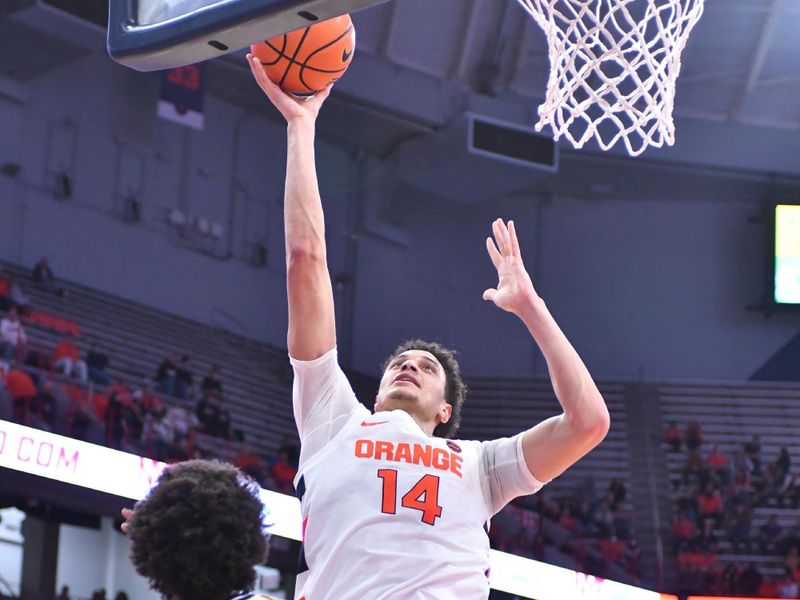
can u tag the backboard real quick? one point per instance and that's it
(148, 35)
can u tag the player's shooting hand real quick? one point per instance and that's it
(514, 288)
(291, 107)
(127, 514)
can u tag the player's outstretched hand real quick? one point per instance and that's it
(291, 107)
(514, 289)
(127, 514)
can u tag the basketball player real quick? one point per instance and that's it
(391, 510)
(198, 533)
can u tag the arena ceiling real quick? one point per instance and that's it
(421, 64)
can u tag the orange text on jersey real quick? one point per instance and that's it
(416, 454)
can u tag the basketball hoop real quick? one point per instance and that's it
(613, 68)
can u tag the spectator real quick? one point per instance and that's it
(158, 435)
(117, 415)
(5, 293)
(291, 446)
(183, 378)
(672, 436)
(43, 275)
(18, 297)
(23, 392)
(752, 451)
(769, 535)
(213, 381)
(283, 474)
(248, 462)
(694, 436)
(683, 529)
(121, 596)
(787, 586)
(750, 580)
(618, 492)
(719, 464)
(12, 336)
(741, 521)
(64, 594)
(208, 412)
(710, 505)
(81, 413)
(165, 376)
(97, 363)
(45, 404)
(66, 357)
(784, 461)
(694, 469)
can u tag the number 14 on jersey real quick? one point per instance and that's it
(424, 496)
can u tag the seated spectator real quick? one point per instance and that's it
(741, 522)
(5, 293)
(43, 275)
(618, 492)
(18, 297)
(158, 435)
(291, 445)
(673, 437)
(208, 412)
(22, 390)
(81, 413)
(184, 424)
(45, 404)
(709, 503)
(750, 580)
(683, 530)
(183, 378)
(283, 474)
(694, 436)
(97, 363)
(116, 415)
(752, 451)
(248, 462)
(213, 381)
(694, 469)
(165, 376)
(784, 461)
(719, 464)
(788, 586)
(13, 339)
(67, 359)
(769, 535)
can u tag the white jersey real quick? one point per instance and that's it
(390, 513)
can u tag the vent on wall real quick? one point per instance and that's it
(509, 143)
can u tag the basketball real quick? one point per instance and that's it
(307, 60)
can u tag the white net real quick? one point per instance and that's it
(614, 64)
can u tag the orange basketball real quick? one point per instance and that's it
(307, 60)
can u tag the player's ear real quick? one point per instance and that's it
(377, 402)
(445, 412)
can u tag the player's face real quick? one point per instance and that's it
(414, 381)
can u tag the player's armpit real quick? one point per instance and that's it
(555, 444)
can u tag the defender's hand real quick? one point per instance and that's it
(127, 514)
(514, 288)
(291, 107)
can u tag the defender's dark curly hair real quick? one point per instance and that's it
(198, 533)
(455, 390)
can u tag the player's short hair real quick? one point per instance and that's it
(198, 533)
(455, 390)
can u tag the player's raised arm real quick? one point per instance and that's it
(312, 330)
(555, 444)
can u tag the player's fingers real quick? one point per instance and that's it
(513, 240)
(127, 513)
(497, 229)
(494, 253)
(489, 294)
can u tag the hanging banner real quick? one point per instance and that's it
(181, 97)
